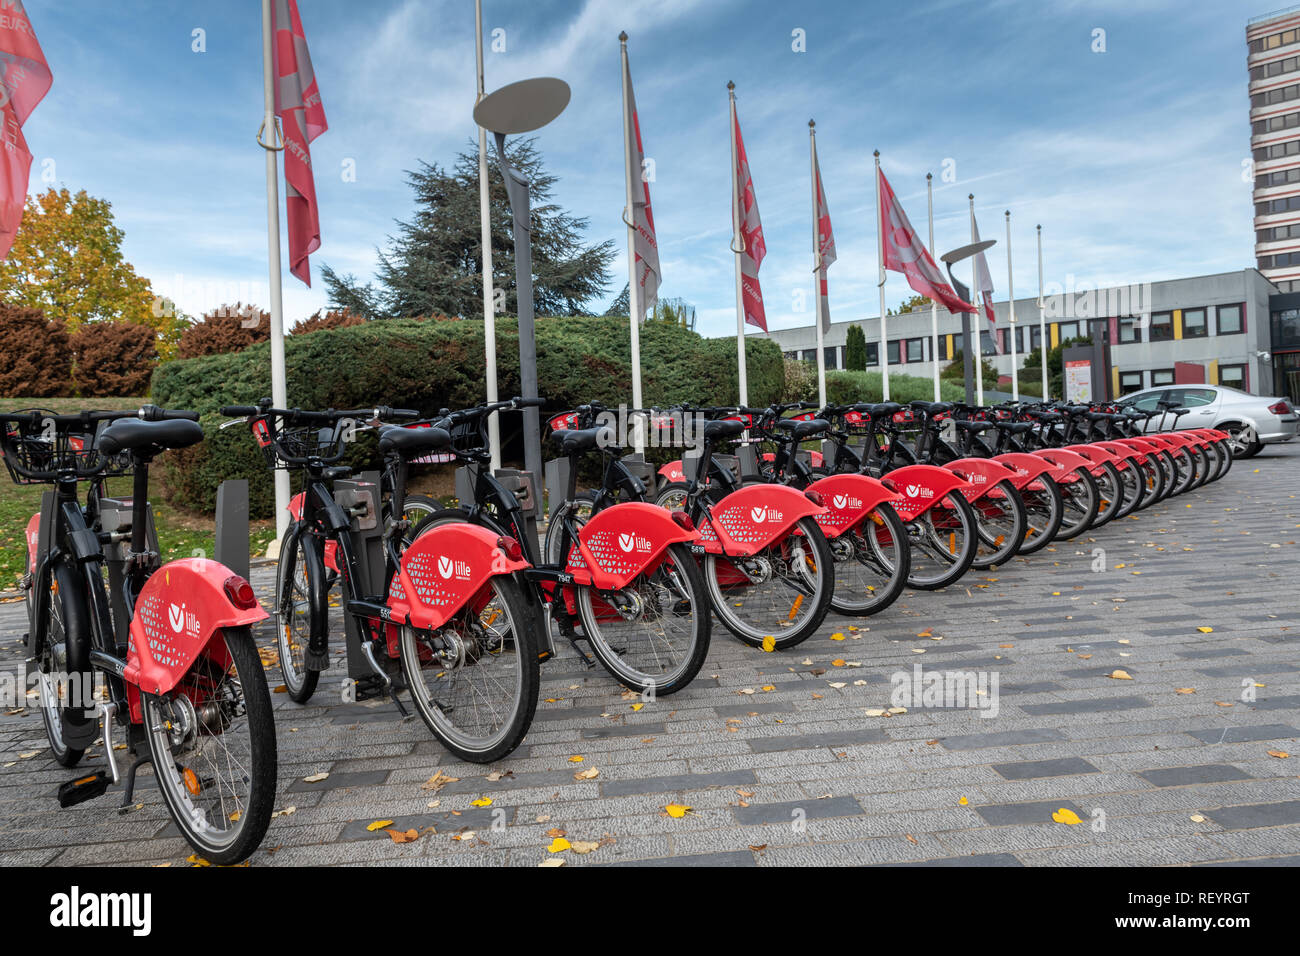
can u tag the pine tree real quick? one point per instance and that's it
(855, 349)
(433, 265)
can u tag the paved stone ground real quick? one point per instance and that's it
(782, 767)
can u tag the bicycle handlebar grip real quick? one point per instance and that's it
(530, 402)
(385, 411)
(242, 411)
(152, 413)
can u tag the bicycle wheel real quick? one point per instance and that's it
(1079, 499)
(212, 740)
(943, 541)
(1044, 512)
(1184, 470)
(1110, 493)
(1133, 488)
(872, 561)
(782, 592)
(652, 635)
(672, 496)
(415, 507)
(1153, 476)
(300, 617)
(580, 511)
(474, 680)
(67, 708)
(1002, 523)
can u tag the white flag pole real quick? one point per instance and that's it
(817, 266)
(1042, 313)
(934, 306)
(1011, 317)
(880, 255)
(636, 307)
(485, 226)
(279, 391)
(977, 343)
(738, 247)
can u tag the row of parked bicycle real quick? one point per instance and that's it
(771, 521)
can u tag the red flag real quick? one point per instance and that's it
(298, 104)
(751, 233)
(25, 81)
(645, 244)
(905, 253)
(825, 243)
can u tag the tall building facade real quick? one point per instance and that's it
(1273, 62)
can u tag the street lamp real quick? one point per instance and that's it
(521, 108)
(949, 259)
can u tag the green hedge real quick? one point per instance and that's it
(428, 365)
(845, 387)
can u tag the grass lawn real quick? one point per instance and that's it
(180, 534)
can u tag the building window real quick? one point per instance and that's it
(810, 355)
(1283, 94)
(1162, 376)
(1129, 330)
(986, 344)
(832, 356)
(1286, 329)
(1276, 68)
(893, 352)
(1274, 40)
(1194, 326)
(1285, 204)
(1272, 124)
(1162, 327)
(1279, 177)
(1229, 319)
(1069, 330)
(873, 354)
(1130, 382)
(1233, 376)
(916, 350)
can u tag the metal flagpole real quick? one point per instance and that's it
(739, 251)
(636, 308)
(817, 266)
(1042, 317)
(880, 255)
(934, 306)
(977, 346)
(485, 221)
(279, 391)
(1011, 317)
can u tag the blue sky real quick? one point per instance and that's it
(1131, 159)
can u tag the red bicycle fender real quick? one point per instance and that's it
(33, 541)
(754, 516)
(1139, 444)
(848, 500)
(178, 617)
(1121, 450)
(1067, 461)
(672, 472)
(983, 474)
(295, 505)
(922, 487)
(624, 540)
(443, 570)
(1027, 467)
(1098, 456)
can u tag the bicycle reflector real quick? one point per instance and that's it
(683, 519)
(240, 592)
(815, 497)
(511, 547)
(889, 483)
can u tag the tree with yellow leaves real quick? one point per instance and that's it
(67, 261)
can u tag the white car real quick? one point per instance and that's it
(1252, 421)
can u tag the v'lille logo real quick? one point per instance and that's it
(176, 617)
(627, 541)
(841, 501)
(913, 491)
(758, 514)
(446, 566)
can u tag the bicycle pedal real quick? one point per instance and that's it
(85, 788)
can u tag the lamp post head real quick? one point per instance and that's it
(966, 251)
(523, 106)
(622, 37)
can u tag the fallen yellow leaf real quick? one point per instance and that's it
(1067, 816)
